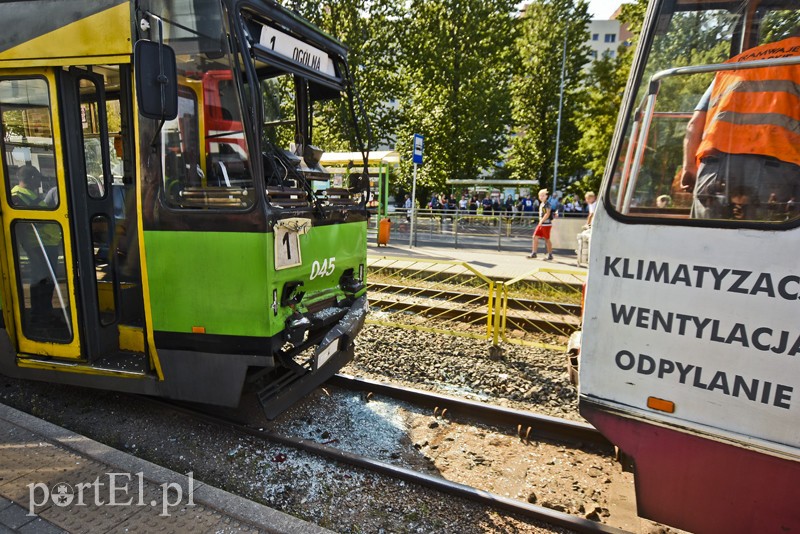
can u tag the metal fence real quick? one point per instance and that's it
(541, 304)
(541, 308)
(496, 231)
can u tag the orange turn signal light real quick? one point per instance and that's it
(660, 404)
(198, 330)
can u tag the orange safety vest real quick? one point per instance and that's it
(756, 111)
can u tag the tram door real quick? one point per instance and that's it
(58, 210)
(87, 148)
(36, 239)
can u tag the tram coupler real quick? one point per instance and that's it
(297, 326)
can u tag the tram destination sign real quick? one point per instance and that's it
(296, 50)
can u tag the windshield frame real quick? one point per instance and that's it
(637, 86)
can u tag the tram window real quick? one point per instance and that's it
(43, 288)
(669, 165)
(279, 114)
(27, 143)
(92, 139)
(777, 24)
(205, 169)
(204, 151)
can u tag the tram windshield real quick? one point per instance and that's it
(205, 156)
(713, 133)
(300, 80)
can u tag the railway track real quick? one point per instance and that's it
(472, 308)
(528, 424)
(540, 426)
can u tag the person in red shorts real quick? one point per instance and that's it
(544, 226)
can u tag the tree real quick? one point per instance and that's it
(536, 88)
(605, 87)
(456, 66)
(369, 30)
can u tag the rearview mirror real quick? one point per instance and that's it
(156, 80)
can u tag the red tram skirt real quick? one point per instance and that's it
(701, 485)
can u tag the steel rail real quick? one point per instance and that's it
(527, 423)
(547, 326)
(540, 513)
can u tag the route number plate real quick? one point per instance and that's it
(287, 248)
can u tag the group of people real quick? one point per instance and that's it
(548, 207)
(525, 206)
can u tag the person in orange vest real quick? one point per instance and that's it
(745, 132)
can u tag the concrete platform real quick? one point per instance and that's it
(493, 264)
(53, 480)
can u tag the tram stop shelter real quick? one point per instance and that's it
(379, 163)
(494, 187)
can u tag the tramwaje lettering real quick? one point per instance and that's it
(738, 386)
(704, 277)
(762, 338)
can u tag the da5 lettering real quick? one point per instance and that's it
(325, 269)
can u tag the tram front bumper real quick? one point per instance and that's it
(341, 336)
(334, 352)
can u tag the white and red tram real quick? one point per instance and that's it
(690, 357)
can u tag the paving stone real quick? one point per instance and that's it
(14, 516)
(36, 452)
(40, 526)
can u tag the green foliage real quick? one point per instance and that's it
(369, 29)
(536, 88)
(779, 24)
(605, 87)
(440, 68)
(456, 63)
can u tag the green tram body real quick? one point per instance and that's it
(187, 257)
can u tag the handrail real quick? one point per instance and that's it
(717, 67)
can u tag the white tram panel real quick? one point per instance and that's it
(729, 310)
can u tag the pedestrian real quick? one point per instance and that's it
(509, 205)
(408, 206)
(591, 200)
(545, 224)
(527, 209)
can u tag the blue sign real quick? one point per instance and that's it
(418, 146)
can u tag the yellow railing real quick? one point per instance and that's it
(539, 308)
(409, 292)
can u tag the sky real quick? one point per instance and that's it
(602, 9)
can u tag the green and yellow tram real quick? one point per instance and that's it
(159, 231)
